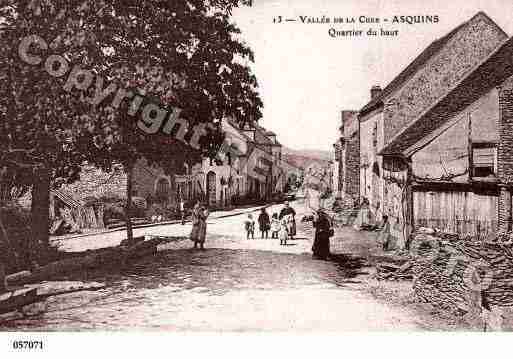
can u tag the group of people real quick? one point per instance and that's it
(282, 226)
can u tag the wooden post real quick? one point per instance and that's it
(470, 150)
(128, 210)
(407, 205)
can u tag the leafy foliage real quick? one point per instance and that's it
(180, 53)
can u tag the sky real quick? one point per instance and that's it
(307, 77)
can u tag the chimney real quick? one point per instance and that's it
(375, 91)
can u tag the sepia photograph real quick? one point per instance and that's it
(246, 167)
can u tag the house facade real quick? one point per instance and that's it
(428, 78)
(222, 181)
(454, 162)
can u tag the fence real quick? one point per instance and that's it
(461, 212)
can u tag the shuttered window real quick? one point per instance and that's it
(485, 161)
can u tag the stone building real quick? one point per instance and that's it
(454, 162)
(347, 159)
(223, 179)
(427, 79)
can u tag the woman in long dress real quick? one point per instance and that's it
(321, 245)
(199, 225)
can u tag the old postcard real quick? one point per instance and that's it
(265, 166)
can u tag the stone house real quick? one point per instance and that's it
(429, 77)
(346, 167)
(266, 142)
(454, 162)
(221, 180)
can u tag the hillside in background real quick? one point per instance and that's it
(304, 158)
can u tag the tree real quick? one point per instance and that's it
(185, 54)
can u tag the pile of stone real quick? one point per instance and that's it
(449, 271)
(390, 271)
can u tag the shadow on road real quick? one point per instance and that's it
(221, 270)
(350, 266)
(299, 239)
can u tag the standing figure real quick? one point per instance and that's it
(182, 210)
(385, 234)
(199, 225)
(275, 226)
(323, 232)
(264, 223)
(284, 232)
(249, 225)
(289, 211)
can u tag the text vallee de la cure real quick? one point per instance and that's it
(152, 118)
(361, 20)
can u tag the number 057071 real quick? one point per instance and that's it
(27, 344)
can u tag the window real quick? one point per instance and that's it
(189, 190)
(162, 188)
(375, 134)
(484, 158)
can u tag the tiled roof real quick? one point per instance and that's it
(490, 73)
(416, 64)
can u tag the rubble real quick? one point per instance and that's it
(449, 269)
(394, 272)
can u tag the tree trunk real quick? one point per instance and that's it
(40, 211)
(128, 209)
(7, 251)
(3, 286)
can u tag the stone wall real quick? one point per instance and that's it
(468, 47)
(505, 150)
(349, 168)
(352, 167)
(505, 153)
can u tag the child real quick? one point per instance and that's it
(250, 227)
(264, 223)
(385, 233)
(284, 232)
(275, 226)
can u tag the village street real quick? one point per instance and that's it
(234, 285)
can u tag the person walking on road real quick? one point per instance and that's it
(275, 226)
(323, 232)
(284, 232)
(199, 225)
(264, 223)
(249, 225)
(290, 214)
(182, 210)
